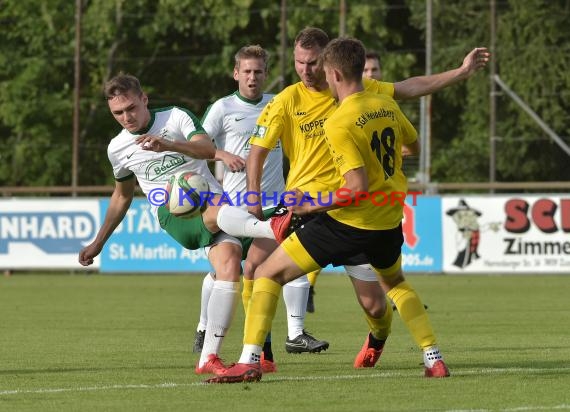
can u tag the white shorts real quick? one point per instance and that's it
(221, 237)
(362, 272)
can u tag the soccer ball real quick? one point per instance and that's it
(187, 194)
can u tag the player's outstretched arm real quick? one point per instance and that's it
(118, 205)
(200, 147)
(418, 86)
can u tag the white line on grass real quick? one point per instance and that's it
(277, 378)
(97, 388)
(467, 372)
(517, 409)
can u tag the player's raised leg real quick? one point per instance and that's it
(238, 222)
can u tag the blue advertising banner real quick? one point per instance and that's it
(422, 250)
(140, 245)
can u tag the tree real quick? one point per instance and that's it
(35, 89)
(182, 53)
(525, 31)
(182, 50)
(533, 61)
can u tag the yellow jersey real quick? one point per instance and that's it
(368, 130)
(297, 116)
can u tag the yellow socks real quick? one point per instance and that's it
(313, 276)
(413, 314)
(261, 311)
(246, 293)
(380, 328)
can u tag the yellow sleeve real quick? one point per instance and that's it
(270, 125)
(378, 87)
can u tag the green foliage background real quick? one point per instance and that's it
(182, 51)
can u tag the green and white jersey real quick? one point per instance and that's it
(152, 169)
(230, 122)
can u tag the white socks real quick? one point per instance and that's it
(236, 221)
(250, 354)
(431, 356)
(295, 294)
(207, 286)
(221, 309)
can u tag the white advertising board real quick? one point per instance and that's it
(506, 234)
(46, 233)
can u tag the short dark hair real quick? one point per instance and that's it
(254, 51)
(122, 84)
(371, 54)
(347, 55)
(311, 37)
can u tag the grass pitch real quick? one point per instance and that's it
(123, 343)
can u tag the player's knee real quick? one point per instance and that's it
(375, 308)
(228, 268)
